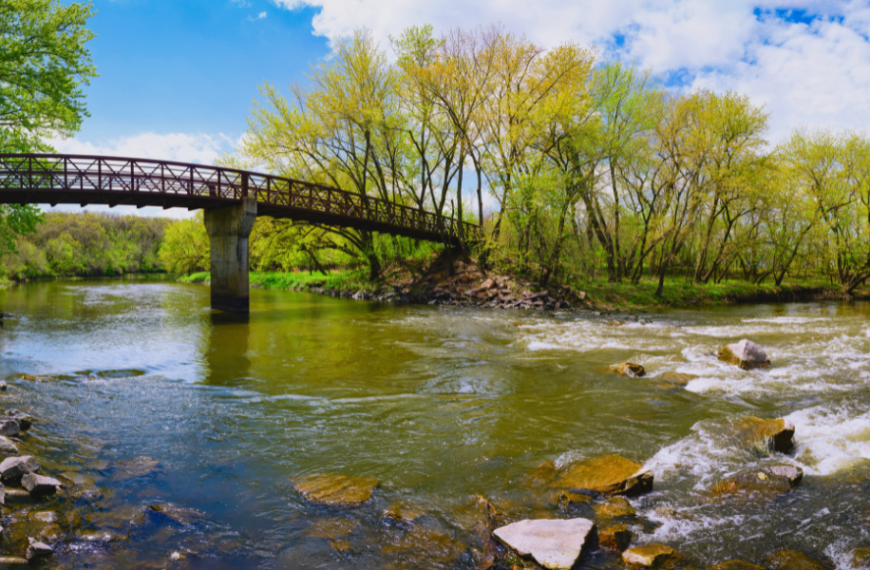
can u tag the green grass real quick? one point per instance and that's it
(678, 292)
(298, 280)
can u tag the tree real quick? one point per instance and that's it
(44, 65)
(185, 248)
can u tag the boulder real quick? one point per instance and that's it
(2, 386)
(745, 355)
(677, 378)
(653, 556)
(766, 436)
(37, 549)
(736, 564)
(40, 484)
(614, 507)
(17, 467)
(629, 370)
(606, 475)
(25, 421)
(789, 559)
(554, 544)
(8, 426)
(615, 537)
(336, 490)
(7, 446)
(2, 494)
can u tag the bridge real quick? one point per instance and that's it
(231, 198)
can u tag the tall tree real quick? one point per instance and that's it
(44, 65)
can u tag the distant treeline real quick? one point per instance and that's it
(87, 244)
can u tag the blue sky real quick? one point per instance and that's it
(177, 77)
(191, 66)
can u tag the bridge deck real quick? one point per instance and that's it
(79, 179)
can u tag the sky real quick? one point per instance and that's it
(177, 77)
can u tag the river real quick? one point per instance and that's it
(153, 400)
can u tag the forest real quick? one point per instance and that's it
(576, 168)
(86, 244)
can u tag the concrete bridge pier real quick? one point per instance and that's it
(228, 231)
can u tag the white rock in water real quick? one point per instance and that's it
(15, 467)
(745, 354)
(7, 446)
(554, 544)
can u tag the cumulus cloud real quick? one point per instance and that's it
(808, 61)
(181, 147)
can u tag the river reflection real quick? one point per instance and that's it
(158, 402)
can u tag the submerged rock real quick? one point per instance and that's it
(614, 507)
(677, 378)
(17, 467)
(541, 475)
(629, 370)
(736, 564)
(336, 490)
(766, 436)
(40, 484)
(554, 544)
(331, 528)
(861, 557)
(402, 513)
(563, 499)
(13, 561)
(767, 480)
(133, 468)
(615, 537)
(606, 475)
(789, 559)
(745, 355)
(652, 556)
(181, 515)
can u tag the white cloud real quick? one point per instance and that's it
(815, 74)
(181, 147)
(259, 16)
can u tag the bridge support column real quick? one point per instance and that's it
(228, 231)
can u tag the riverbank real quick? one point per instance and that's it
(470, 287)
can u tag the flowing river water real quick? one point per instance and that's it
(150, 399)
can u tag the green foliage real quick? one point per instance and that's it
(43, 66)
(87, 244)
(185, 248)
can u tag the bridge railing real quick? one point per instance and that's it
(82, 173)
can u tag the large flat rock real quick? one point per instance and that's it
(607, 475)
(554, 544)
(336, 490)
